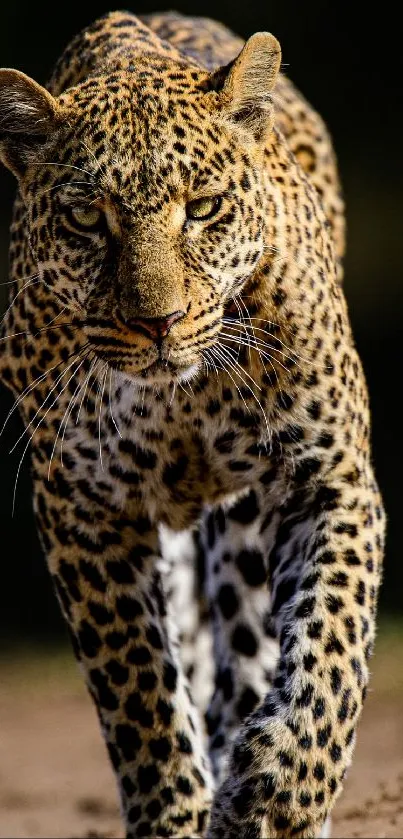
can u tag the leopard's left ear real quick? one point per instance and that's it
(28, 115)
(246, 85)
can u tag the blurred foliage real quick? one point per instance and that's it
(337, 57)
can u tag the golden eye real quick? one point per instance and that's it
(87, 219)
(203, 208)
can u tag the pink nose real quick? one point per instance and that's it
(154, 328)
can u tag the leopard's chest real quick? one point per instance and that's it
(170, 457)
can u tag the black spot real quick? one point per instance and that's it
(227, 601)
(303, 771)
(305, 697)
(88, 639)
(281, 822)
(118, 673)
(322, 736)
(305, 469)
(309, 662)
(243, 800)
(305, 608)
(239, 466)
(334, 604)
(100, 613)
(327, 498)
(128, 608)
(351, 558)
(305, 742)
(115, 640)
(247, 702)
(120, 571)
(346, 527)
(285, 760)
(319, 709)
(160, 748)
(154, 637)
(174, 472)
(339, 579)
(327, 558)
(106, 697)
(146, 680)
(252, 567)
(148, 777)
(283, 797)
(136, 710)
(335, 680)
(128, 786)
(213, 407)
(92, 575)
(165, 711)
(334, 645)
(332, 785)
(314, 410)
(154, 808)
(128, 741)
(342, 713)
(167, 795)
(184, 786)
(319, 771)
(142, 458)
(184, 744)
(170, 676)
(335, 752)
(325, 440)
(244, 641)
(284, 400)
(246, 510)
(70, 577)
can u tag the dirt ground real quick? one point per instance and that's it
(55, 779)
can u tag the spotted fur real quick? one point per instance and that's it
(197, 417)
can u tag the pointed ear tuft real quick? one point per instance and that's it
(28, 114)
(246, 85)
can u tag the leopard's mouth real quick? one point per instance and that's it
(160, 371)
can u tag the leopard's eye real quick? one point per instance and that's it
(203, 208)
(89, 219)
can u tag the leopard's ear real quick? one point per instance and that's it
(245, 86)
(28, 115)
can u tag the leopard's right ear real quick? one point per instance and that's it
(28, 116)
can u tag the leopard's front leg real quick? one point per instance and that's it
(105, 568)
(290, 757)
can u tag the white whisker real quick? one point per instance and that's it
(33, 281)
(28, 390)
(62, 421)
(110, 404)
(31, 436)
(94, 363)
(63, 373)
(100, 412)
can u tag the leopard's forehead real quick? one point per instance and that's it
(144, 127)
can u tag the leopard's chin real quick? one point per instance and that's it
(161, 373)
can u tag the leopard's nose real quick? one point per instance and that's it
(153, 328)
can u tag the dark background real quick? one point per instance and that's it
(344, 58)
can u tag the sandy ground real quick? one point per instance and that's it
(55, 779)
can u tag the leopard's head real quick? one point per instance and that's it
(145, 198)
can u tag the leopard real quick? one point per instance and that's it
(179, 349)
